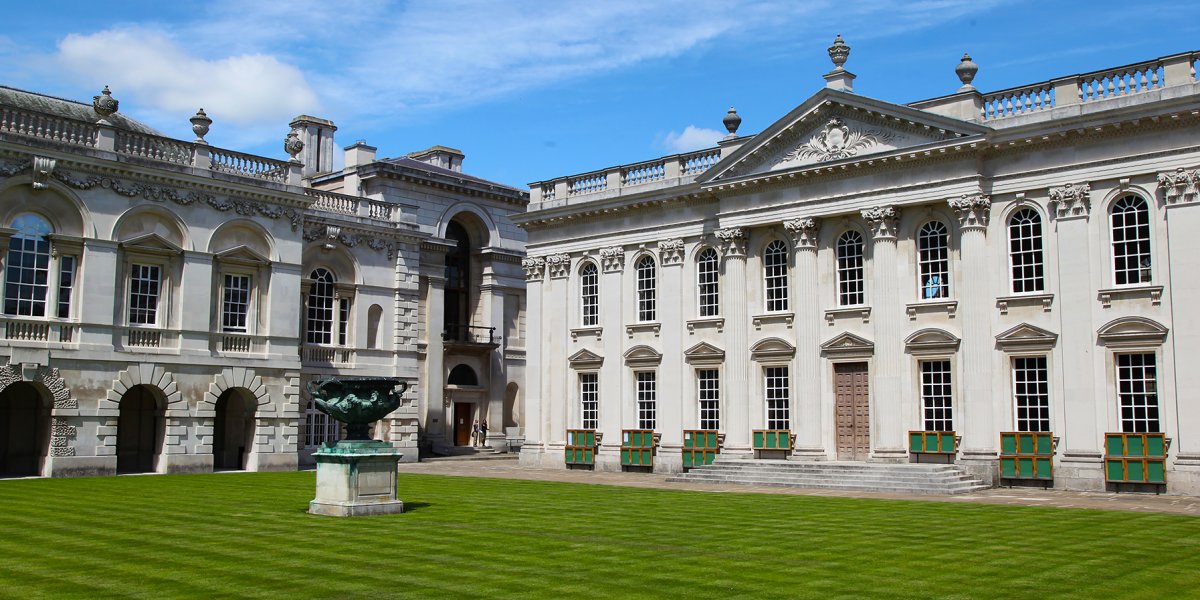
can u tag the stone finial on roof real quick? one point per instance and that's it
(105, 104)
(966, 71)
(200, 124)
(839, 78)
(838, 53)
(731, 121)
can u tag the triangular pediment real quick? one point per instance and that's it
(833, 127)
(772, 348)
(931, 340)
(848, 343)
(1132, 331)
(152, 242)
(243, 254)
(585, 359)
(704, 352)
(1026, 336)
(642, 356)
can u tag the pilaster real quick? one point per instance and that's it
(807, 364)
(1180, 193)
(557, 296)
(534, 401)
(737, 365)
(975, 373)
(888, 425)
(671, 371)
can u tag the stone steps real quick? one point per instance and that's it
(906, 478)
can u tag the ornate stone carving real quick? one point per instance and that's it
(1072, 200)
(559, 265)
(612, 258)
(534, 268)
(8, 169)
(43, 167)
(671, 251)
(733, 241)
(883, 221)
(973, 210)
(1179, 186)
(803, 232)
(349, 239)
(105, 104)
(200, 124)
(293, 145)
(838, 53)
(837, 140)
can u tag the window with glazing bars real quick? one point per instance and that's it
(343, 320)
(235, 302)
(775, 267)
(933, 249)
(319, 324)
(1137, 389)
(776, 387)
(1031, 392)
(319, 427)
(937, 395)
(145, 282)
(646, 399)
(850, 269)
(646, 284)
(66, 285)
(589, 294)
(708, 387)
(707, 279)
(1025, 251)
(26, 277)
(589, 400)
(1131, 241)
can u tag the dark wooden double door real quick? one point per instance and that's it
(850, 384)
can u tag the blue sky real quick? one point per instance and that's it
(536, 90)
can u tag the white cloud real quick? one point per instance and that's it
(692, 138)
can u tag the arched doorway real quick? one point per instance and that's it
(233, 429)
(139, 429)
(24, 430)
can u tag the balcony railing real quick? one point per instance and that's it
(38, 331)
(138, 338)
(469, 334)
(616, 179)
(343, 204)
(239, 343)
(326, 355)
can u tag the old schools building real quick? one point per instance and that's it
(1001, 280)
(166, 301)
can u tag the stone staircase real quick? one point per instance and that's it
(905, 478)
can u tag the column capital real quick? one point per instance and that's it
(883, 221)
(803, 231)
(535, 268)
(973, 210)
(1180, 186)
(612, 258)
(671, 251)
(558, 265)
(1072, 200)
(733, 242)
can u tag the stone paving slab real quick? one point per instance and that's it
(508, 469)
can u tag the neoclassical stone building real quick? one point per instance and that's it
(859, 271)
(166, 301)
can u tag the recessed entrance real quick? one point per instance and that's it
(139, 429)
(233, 429)
(850, 385)
(462, 423)
(24, 430)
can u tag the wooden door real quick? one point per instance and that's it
(853, 411)
(462, 423)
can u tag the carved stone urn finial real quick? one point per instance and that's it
(838, 53)
(966, 71)
(104, 104)
(731, 121)
(293, 145)
(200, 124)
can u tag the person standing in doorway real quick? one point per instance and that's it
(483, 433)
(475, 433)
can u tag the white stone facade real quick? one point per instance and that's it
(970, 253)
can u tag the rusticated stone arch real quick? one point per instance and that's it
(236, 377)
(48, 377)
(143, 374)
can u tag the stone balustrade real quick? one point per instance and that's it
(48, 127)
(154, 147)
(343, 204)
(666, 169)
(249, 165)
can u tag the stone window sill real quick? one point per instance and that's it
(774, 319)
(1133, 292)
(848, 312)
(717, 323)
(586, 332)
(1004, 302)
(933, 306)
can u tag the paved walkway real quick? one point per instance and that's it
(508, 469)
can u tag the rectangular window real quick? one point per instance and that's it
(319, 427)
(27, 276)
(145, 283)
(646, 405)
(589, 400)
(937, 395)
(66, 285)
(776, 387)
(589, 285)
(236, 303)
(707, 274)
(1031, 392)
(646, 287)
(1137, 391)
(708, 388)
(343, 320)
(933, 257)
(850, 269)
(775, 266)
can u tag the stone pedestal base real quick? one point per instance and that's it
(355, 478)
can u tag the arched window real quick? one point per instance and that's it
(320, 308)
(646, 285)
(457, 299)
(462, 375)
(933, 256)
(1131, 241)
(589, 294)
(1025, 251)
(775, 267)
(707, 283)
(850, 269)
(27, 272)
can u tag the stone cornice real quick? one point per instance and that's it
(972, 210)
(468, 186)
(1072, 200)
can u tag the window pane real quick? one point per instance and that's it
(589, 398)
(707, 281)
(319, 324)
(776, 388)
(236, 304)
(27, 275)
(1031, 392)
(646, 399)
(1131, 241)
(144, 284)
(589, 287)
(775, 265)
(937, 395)
(66, 285)
(933, 249)
(708, 388)
(1025, 251)
(646, 284)
(850, 269)
(1137, 391)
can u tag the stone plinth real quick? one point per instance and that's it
(355, 478)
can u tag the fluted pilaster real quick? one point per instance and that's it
(975, 407)
(808, 417)
(737, 321)
(888, 425)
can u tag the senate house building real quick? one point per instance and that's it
(166, 302)
(1004, 281)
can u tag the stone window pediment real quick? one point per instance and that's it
(848, 344)
(585, 359)
(642, 356)
(1132, 332)
(772, 349)
(151, 243)
(243, 255)
(704, 353)
(931, 341)
(1026, 337)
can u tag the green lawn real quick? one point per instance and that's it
(247, 535)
